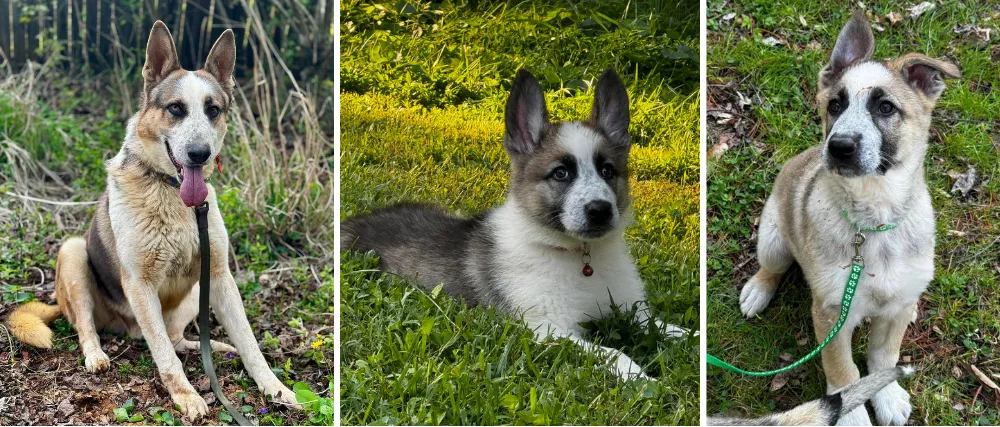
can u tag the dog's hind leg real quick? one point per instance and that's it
(178, 319)
(892, 403)
(774, 258)
(76, 292)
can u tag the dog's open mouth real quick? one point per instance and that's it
(170, 153)
(193, 188)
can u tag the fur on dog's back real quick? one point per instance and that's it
(422, 241)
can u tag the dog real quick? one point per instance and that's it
(868, 171)
(827, 410)
(554, 251)
(136, 269)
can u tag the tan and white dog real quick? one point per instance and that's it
(137, 268)
(869, 168)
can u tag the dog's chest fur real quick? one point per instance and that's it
(546, 284)
(162, 235)
(899, 263)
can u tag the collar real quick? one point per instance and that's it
(878, 228)
(171, 180)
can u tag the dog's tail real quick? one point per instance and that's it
(860, 392)
(28, 323)
(829, 409)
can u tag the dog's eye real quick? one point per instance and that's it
(176, 109)
(212, 112)
(886, 108)
(834, 107)
(608, 172)
(560, 173)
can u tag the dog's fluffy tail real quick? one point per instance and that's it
(860, 392)
(28, 323)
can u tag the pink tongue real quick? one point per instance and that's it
(193, 188)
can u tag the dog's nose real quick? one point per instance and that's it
(843, 146)
(199, 153)
(599, 212)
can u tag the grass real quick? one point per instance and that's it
(421, 119)
(958, 324)
(56, 131)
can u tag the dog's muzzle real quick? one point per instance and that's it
(843, 154)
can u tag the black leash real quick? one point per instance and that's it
(204, 329)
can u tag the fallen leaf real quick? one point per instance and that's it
(725, 143)
(956, 372)
(964, 182)
(983, 378)
(907, 359)
(771, 41)
(894, 18)
(65, 407)
(729, 16)
(920, 9)
(779, 381)
(802, 20)
(975, 35)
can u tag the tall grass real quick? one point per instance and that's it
(56, 129)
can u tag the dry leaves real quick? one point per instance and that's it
(914, 12)
(983, 378)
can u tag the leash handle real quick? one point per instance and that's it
(204, 329)
(857, 266)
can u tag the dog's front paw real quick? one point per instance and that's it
(754, 297)
(281, 394)
(857, 417)
(627, 369)
(191, 404)
(892, 405)
(97, 361)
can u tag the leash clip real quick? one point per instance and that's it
(859, 239)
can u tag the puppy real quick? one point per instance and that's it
(868, 171)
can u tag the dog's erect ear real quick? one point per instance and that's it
(161, 56)
(855, 44)
(222, 59)
(610, 112)
(526, 116)
(926, 74)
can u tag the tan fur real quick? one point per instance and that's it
(27, 323)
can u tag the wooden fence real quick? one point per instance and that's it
(95, 35)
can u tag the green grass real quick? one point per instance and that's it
(427, 125)
(959, 313)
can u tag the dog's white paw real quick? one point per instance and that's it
(857, 417)
(673, 331)
(281, 394)
(185, 345)
(191, 404)
(97, 361)
(627, 369)
(755, 297)
(892, 405)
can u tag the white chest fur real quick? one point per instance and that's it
(546, 284)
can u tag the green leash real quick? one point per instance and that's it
(857, 266)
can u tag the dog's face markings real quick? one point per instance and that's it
(875, 114)
(184, 112)
(571, 176)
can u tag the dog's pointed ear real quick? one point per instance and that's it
(222, 59)
(526, 117)
(161, 56)
(925, 74)
(855, 44)
(610, 112)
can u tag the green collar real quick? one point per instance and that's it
(854, 225)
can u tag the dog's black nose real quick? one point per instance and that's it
(842, 146)
(599, 212)
(199, 153)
